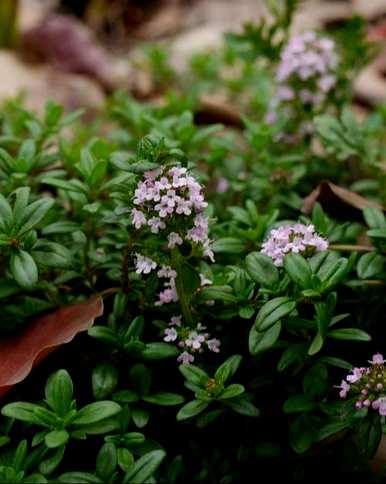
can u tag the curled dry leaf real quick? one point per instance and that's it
(337, 201)
(21, 352)
(213, 109)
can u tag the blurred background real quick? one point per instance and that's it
(77, 51)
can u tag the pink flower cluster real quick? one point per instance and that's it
(299, 238)
(191, 341)
(307, 69)
(367, 385)
(169, 200)
(145, 265)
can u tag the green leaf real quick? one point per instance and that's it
(135, 328)
(21, 411)
(24, 269)
(51, 254)
(79, 478)
(125, 459)
(262, 270)
(330, 429)
(272, 311)
(105, 426)
(20, 455)
(70, 186)
(231, 391)
(298, 403)
(218, 293)
(140, 417)
(6, 216)
(159, 351)
(104, 334)
(227, 369)
(163, 398)
(140, 378)
(63, 227)
(33, 214)
(194, 374)
(46, 416)
(95, 412)
(262, 341)
(133, 438)
(377, 233)
(369, 265)
(106, 462)
(302, 434)
(321, 262)
(352, 334)
(338, 362)
(316, 345)
(48, 465)
(144, 467)
(56, 438)
(21, 201)
(141, 166)
(125, 396)
(246, 312)
(293, 353)
(192, 409)
(335, 273)
(298, 269)
(369, 435)
(190, 277)
(208, 417)
(58, 392)
(319, 219)
(104, 380)
(242, 406)
(228, 245)
(374, 218)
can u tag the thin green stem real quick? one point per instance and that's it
(182, 296)
(352, 248)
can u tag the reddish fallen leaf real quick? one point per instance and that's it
(337, 201)
(21, 352)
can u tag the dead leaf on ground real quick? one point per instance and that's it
(213, 110)
(21, 352)
(164, 23)
(337, 201)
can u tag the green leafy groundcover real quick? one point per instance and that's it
(219, 351)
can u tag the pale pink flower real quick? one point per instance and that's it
(144, 265)
(345, 388)
(175, 321)
(214, 345)
(222, 185)
(185, 358)
(156, 224)
(139, 218)
(170, 334)
(173, 240)
(377, 359)
(355, 376)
